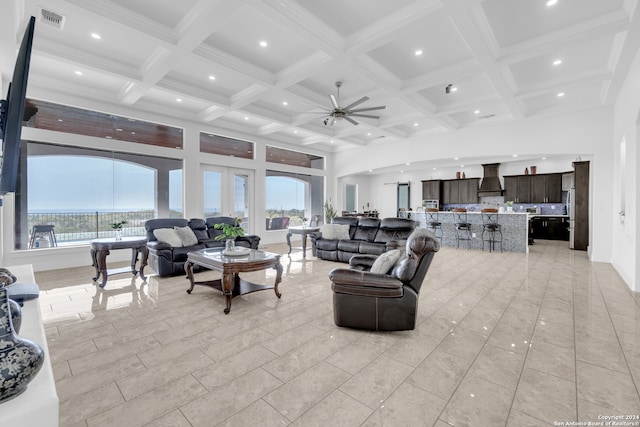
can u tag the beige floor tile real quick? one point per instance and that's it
(303, 392)
(440, 373)
(519, 419)
(258, 413)
(545, 396)
(172, 419)
(150, 406)
(463, 343)
(337, 409)
(139, 383)
(477, 402)
(374, 383)
(306, 384)
(218, 374)
(221, 404)
(112, 355)
(84, 382)
(407, 406)
(552, 359)
(499, 366)
(94, 402)
(607, 388)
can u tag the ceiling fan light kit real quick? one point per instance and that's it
(338, 113)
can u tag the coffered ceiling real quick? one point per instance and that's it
(202, 60)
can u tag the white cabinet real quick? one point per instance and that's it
(38, 405)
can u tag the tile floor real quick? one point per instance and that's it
(504, 339)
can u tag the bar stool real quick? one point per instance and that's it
(491, 230)
(432, 222)
(463, 227)
(44, 230)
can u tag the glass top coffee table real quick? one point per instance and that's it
(231, 285)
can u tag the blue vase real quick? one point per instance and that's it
(20, 358)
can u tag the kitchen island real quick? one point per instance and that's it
(515, 229)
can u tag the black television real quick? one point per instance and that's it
(12, 113)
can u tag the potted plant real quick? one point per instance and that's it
(229, 233)
(117, 226)
(329, 211)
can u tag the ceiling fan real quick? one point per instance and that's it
(338, 113)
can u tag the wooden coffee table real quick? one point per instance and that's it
(231, 284)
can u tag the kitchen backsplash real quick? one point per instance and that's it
(545, 208)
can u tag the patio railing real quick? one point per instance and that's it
(71, 227)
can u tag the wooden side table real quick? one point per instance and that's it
(303, 231)
(100, 248)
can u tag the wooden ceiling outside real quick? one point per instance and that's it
(216, 144)
(293, 158)
(62, 118)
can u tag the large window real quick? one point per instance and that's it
(291, 197)
(82, 191)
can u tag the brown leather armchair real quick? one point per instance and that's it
(383, 302)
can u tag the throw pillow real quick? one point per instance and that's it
(385, 262)
(186, 235)
(335, 231)
(168, 236)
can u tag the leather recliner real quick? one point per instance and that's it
(383, 302)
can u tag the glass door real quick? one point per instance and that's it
(228, 192)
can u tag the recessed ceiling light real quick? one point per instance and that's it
(212, 77)
(514, 155)
(285, 103)
(118, 130)
(368, 133)
(454, 89)
(295, 131)
(418, 52)
(332, 141)
(560, 95)
(60, 120)
(96, 36)
(544, 158)
(435, 168)
(133, 133)
(407, 163)
(401, 171)
(79, 73)
(246, 118)
(263, 43)
(108, 137)
(557, 62)
(416, 124)
(370, 170)
(178, 99)
(461, 166)
(455, 158)
(476, 112)
(552, 2)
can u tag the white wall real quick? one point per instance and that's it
(627, 126)
(564, 136)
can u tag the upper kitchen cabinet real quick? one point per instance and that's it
(432, 190)
(517, 188)
(460, 191)
(546, 188)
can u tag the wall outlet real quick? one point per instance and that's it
(473, 235)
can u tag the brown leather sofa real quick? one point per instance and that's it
(369, 236)
(384, 302)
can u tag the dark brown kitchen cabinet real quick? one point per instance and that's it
(460, 191)
(431, 190)
(517, 188)
(550, 228)
(546, 188)
(581, 214)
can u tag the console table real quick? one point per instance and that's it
(38, 405)
(100, 248)
(304, 231)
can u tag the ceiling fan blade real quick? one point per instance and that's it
(365, 115)
(350, 120)
(334, 102)
(382, 107)
(358, 102)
